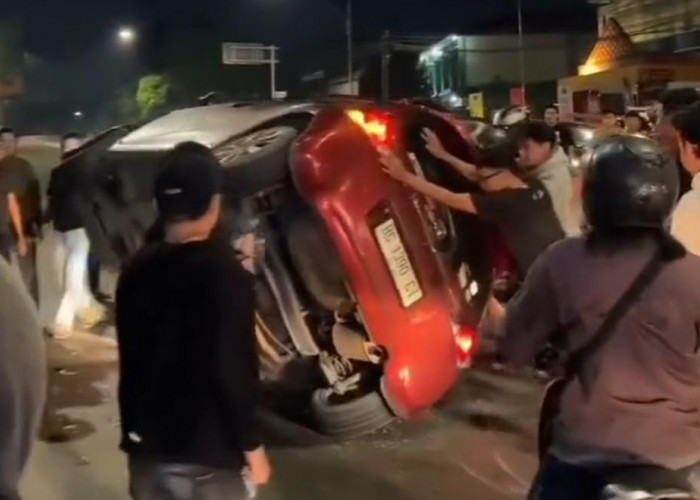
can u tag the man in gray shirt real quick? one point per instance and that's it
(541, 158)
(22, 379)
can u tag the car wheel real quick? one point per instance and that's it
(349, 416)
(256, 161)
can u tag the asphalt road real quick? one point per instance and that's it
(478, 445)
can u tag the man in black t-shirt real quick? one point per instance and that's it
(19, 186)
(521, 210)
(188, 358)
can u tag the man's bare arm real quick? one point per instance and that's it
(467, 170)
(435, 147)
(395, 168)
(16, 218)
(458, 201)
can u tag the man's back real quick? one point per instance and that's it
(185, 320)
(641, 402)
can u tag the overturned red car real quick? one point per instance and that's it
(368, 294)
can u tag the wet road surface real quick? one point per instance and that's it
(478, 445)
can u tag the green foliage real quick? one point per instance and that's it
(152, 94)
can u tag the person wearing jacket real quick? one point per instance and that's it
(66, 210)
(185, 316)
(633, 401)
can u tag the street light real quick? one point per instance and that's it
(78, 115)
(126, 35)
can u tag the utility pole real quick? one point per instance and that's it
(348, 28)
(386, 60)
(521, 45)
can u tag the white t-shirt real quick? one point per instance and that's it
(555, 174)
(685, 222)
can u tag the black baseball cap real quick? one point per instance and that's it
(190, 176)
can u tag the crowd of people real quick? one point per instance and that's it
(615, 294)
(185, 311)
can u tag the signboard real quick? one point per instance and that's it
(246, 54)
(517, 96)
(476, 105)
(252, 54)
(565, 98)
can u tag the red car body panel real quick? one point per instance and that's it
(336, 168)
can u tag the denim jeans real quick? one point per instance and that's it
(76, 292)
(153, 480)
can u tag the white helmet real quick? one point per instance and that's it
(512, 115)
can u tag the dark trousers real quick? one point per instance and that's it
(94, 275)
(152, 480)
(557, 480)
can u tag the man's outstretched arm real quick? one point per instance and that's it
(435, 147)
(395, 168)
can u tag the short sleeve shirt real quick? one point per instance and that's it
(18, 177)
(525, 217)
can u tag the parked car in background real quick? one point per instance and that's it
(368, 294)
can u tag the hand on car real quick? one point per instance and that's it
(433, 144)
(259, 465)
(393, 166)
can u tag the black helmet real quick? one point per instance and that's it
(512, 115)
(496, 149)
(631, 182)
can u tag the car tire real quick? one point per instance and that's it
(256, 161)
(351, 418)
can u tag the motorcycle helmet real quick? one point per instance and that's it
(495, 147)
(512, 115)
(632, 182)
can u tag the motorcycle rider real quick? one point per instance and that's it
(633, 401)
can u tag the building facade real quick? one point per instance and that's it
(495, 64)
(659, 25)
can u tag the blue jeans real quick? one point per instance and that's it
(153, 480)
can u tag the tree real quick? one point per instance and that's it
(152, 94)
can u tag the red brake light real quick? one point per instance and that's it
(376, 125)
(465, 339)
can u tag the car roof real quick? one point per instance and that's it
(208, 125)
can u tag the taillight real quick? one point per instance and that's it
(465, 340)
(378, 126)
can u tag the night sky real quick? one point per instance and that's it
(54, 30)
(76, 62)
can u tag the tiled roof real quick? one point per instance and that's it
(613, 45)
